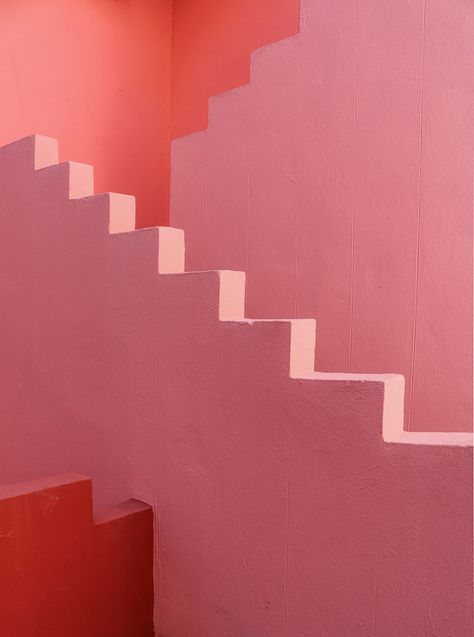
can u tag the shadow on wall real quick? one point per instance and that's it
(212, 43)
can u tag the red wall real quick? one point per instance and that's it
(212, 42)
(95, 74)
(63, 575)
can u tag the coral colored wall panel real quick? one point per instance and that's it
(212, 43)
(96, 75)
(63, 573)
(348, 193)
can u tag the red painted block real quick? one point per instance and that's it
(64, 573)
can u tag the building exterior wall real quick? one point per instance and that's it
(341, 180)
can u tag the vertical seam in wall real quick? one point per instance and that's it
(247, 240)
(217, 420)
(156, 518)
(418, 229)
(287, 527)
(379, 533)
(298, 164)
(354, 174)
(170, 114)
(206, 199)
(217, 443)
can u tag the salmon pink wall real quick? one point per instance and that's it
(212, 43)
(95, 74)
(341, 181)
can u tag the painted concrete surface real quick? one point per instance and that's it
(66, 574)
(340, 180)
(288, 502)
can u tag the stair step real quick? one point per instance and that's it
(152, 379)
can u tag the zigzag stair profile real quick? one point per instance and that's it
(302, 179)
(287, 501)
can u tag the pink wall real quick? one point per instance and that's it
(96, 75)
(341, 181)
(285, 499)
(66, 574)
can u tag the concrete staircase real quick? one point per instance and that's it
(288, 501)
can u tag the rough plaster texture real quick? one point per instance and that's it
(341, 181)
(288, 502)
(65, 574)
